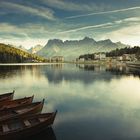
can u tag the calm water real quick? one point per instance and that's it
(93, 102)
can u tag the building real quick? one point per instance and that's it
(100, 56)
(57, 59)
(81, 59)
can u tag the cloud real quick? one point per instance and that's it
(86, 27)
(73, 6)
(128, 20)
(106, 12)
(26, 28)
(124, 30)
(105, 25)
(27, 35)
(30, 32)
(128, 35)
(39, 11)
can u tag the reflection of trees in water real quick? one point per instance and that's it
(9, 71)
(135, 71)
(123, 70)
(14, 70)
(91, 67)
(95, 73)
(118, 70)
(46, 134)
(115, 69)
(86, 67)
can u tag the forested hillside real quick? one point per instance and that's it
(119, 52)
(9, 54)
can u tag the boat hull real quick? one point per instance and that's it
(6, 97)
(35, 108)
(15, 103)
(25, 133)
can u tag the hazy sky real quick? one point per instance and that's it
(31, 22)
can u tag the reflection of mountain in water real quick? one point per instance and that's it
(72, 73)
(47, 134)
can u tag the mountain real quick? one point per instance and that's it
(35, 49)
(71, 49)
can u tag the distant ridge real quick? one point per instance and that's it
(35, 49)
(71, 49)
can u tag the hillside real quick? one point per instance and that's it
(10, 54)
(71, 49)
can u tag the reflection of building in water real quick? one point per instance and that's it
(91, 67)
(99, 68)
(115, 69)
(118, 69)
(57, 66)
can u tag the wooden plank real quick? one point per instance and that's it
(41, 119)
(27, 123)
(5, 128)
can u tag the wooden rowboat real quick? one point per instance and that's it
(6, 96)
(25, 126)
(15, 103)
(32, 108)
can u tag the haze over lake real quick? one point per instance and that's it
(93, 102)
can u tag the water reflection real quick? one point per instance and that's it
(59, 72)
(93, 102)
(47, 134)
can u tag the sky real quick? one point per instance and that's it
(32, 22)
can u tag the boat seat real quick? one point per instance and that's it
(21, 111)
(41, 119)
(5, 128)
(27, 123)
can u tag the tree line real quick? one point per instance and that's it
(114, 53)
(120, 52)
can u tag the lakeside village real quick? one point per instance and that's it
(102, 57)
(95, 58)
(122, 57)
(9, 54)
(118, 56)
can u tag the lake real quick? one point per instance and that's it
(93, 102)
